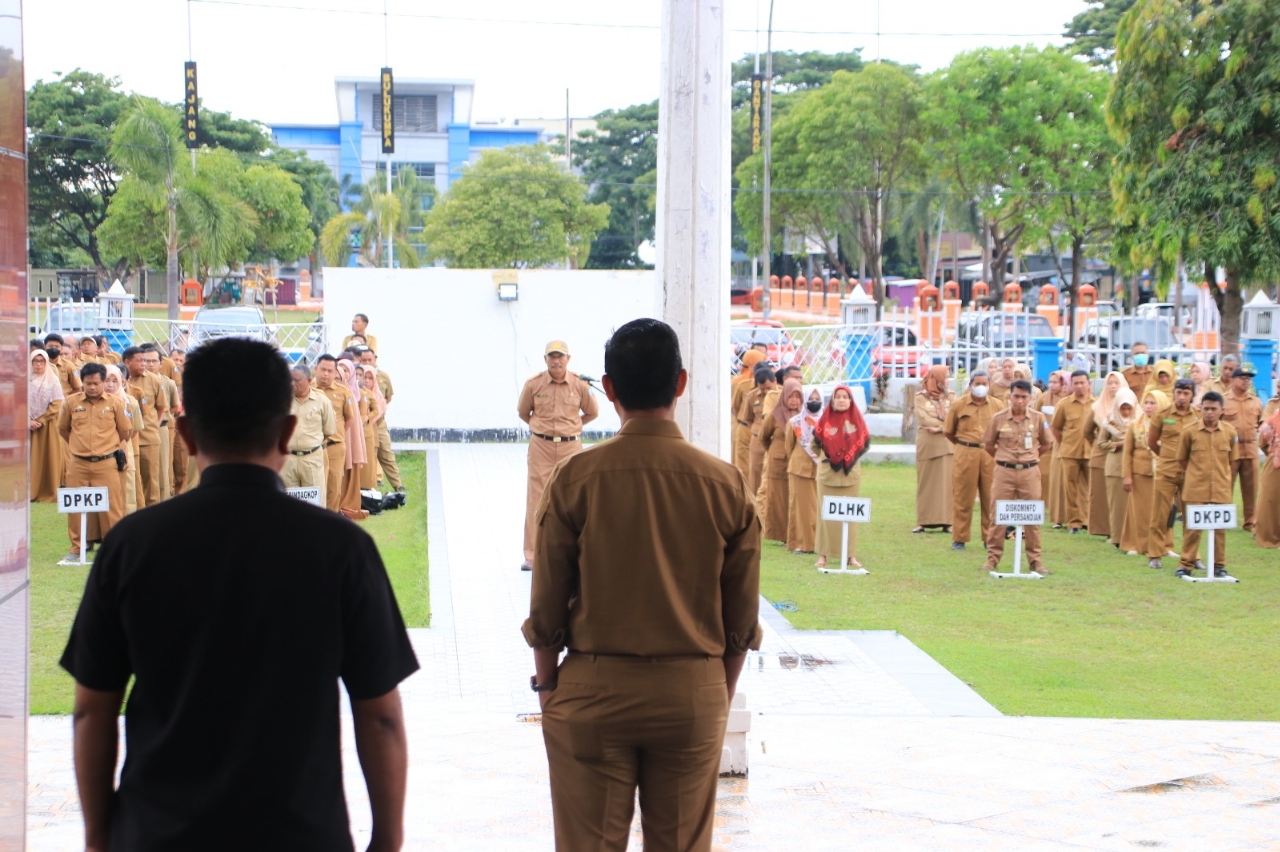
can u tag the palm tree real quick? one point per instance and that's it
(377, 215)
(147, 143)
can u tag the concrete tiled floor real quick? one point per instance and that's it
(859, 740)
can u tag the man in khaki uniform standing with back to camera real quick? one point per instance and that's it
(1016, 439)
(556, 404)
(648, 571)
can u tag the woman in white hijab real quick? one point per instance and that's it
(1124, 408)
(44, 401)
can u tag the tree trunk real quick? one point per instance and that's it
(986, 251)
(1230, 305)
(1077, 260)
(171, 264)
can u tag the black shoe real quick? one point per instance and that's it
(1220, 571)
(1155, 564)
(1182, 572)
(957, 545)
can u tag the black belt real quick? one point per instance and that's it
(1017, 465)
(304, 452)
(96, 458)
(967, 444)
(555, 439)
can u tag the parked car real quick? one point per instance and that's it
(1168, 311)
(997, 334)
(211, 323)
(1106, 342)
(781, 351)
(897, 351)
(78, 318)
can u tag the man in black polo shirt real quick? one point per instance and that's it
(236, 631)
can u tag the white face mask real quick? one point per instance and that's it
(979, 391)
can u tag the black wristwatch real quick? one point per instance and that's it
(537, 687)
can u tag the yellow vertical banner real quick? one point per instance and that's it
(190, 105)
(388, 113)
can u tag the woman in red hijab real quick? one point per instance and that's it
(839, 441)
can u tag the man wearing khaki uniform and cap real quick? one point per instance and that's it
(556, 404)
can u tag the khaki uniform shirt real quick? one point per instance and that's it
(1018, 440)
(344, 408)
(1137, 459)
(384, 385)
(93, 427)
(1071, 419)
(369, 340)
(170, 398)
(1207, 455)
(647, 546)
(1137, 380)
(931, 413)
(752, 412)
(147, 390)
(316, 422)
(968, 419)
(740, 391)
(1245, 416)
(556, 408)
(68, 374)
(1168, 428)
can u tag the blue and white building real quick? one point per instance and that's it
(435, 133)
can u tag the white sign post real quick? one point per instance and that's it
(846, 510)
(83, 501)
(1211, 517)
(306, 494)
(1019, 513)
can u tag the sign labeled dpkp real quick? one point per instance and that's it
(75, 500)
(1214, 516)
(1019, 513)
(848, 510)
(306, 495)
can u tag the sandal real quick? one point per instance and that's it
(918, 530)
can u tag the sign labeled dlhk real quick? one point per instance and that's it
(848, 510)
(74, 500)
(1214, 516)
(306, 495)
(1019, 513)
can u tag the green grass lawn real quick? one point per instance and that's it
(55, 591)
(1105, 636)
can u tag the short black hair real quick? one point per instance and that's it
(36, 343)
(327, 357)
(176, 351)
(642, 361)
(102, 339)
(129, 354)
(1020, 384)
(93, 370)
(363, 317)
(53, 337)
(783, 372)
(124, 371)
(763, 373)
(236, 417)
(1213, 396)
(148, 347)
(1075, 373)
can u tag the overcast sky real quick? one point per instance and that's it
(278, 64)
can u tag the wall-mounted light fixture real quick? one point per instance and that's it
(508, 288)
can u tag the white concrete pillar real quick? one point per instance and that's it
(692, 230)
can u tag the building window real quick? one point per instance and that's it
(413, 113)
(424, 171)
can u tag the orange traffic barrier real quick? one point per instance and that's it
(757, 299)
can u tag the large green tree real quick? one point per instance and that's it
(840, 155)
(619, 161)
(1196, 112)
(515, 207)
(320, 189)
(70, 180)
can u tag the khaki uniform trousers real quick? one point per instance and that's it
(1009, 484)
(87, 474)
(180, 459)
(755, 462)
(617, 723)
(129, 479)
(1191, 548)
(306, 472)
(971, 476)
(335, 457)
(387, 457)
(149, 475)
(1246, 469)
(1160, 538)
(1117, 505)
(544, 455)
(166, 463)
(742, 448)
(802, 513)
(1075, 482)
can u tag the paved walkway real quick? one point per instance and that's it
(860, 740)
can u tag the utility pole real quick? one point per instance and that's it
(568, 134)
(768, 161)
